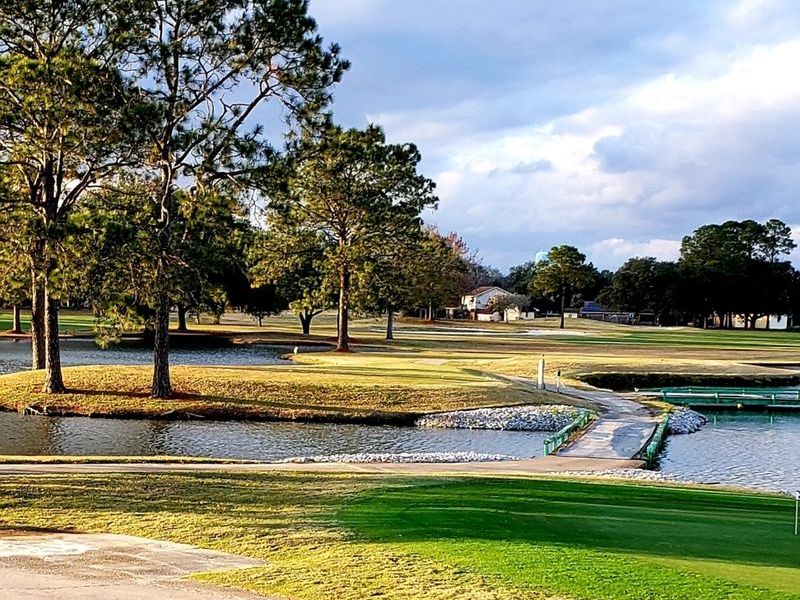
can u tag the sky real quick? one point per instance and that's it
(617, 126)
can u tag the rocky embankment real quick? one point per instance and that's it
(685, 420)
(406, 457)
(511, 418)
(636, 474)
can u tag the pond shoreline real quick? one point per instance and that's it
(219, 415)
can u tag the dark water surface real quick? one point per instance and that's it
(30, 435)
(750, 449)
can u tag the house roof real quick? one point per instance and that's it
(590, 306)
(485, 288)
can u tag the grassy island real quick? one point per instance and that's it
(359, 389)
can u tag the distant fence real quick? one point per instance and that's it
(653, 447)
(731, 396)
(558, 439)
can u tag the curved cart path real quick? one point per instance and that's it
(620, 432)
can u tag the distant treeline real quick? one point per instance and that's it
(734, 269)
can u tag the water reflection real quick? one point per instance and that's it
(30, 435)
(750, 449)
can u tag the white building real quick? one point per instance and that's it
(774, 322)
(477, 302)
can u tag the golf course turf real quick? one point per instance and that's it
(392, 391)
(348, 537)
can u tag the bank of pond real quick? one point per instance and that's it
(753, 449)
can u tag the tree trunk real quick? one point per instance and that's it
(305, 321)
(53, 380)
(260, 320)
(390, 325)
(197, 318)
(182, 318)
(16, 319)
(37, 322)
(343, 341)
(162, 387)
(431, 316)
(563, 302)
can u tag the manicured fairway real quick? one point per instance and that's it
(68, 322)
(595, 540)
(691, 338)
(349, 537)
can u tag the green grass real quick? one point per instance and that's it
(599, 541)
(688, 338)
(336, 388)
(69, 322)
(351, 537)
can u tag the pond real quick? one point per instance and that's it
(28, 435)
(756, 450)
(15, 355)
(31, 435)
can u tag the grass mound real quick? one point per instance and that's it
(312, 393)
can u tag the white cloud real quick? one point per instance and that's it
(674, 150)
(621, 249)
(745, 11)
(686, 120)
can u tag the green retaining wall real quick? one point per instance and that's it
(558, 439)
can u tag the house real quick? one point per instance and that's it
(477, 302)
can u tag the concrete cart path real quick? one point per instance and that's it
(67, 566)
(620, 432)
(533, 466)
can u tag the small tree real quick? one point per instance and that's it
(501, 304)
(15, 274)
(441, 271)
(120, 258)
(293, 264)
(562, 273)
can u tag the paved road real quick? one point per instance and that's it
(68, 566)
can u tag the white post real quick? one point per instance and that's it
(796, 509)
(540, 381)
